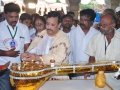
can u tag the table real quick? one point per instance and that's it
(71, 85)
(114, 83)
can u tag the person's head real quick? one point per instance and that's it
(108, 11)
(34, 15)
(26, 19)
(75, 22)
(61, 13)
(45, 16)
(67, 22)
(118, 16)
(71, 13)
(39, 23)
(87, 17)
(53, 23)
(118, 19)
(12, 11)
(2, 18)
(107, 23)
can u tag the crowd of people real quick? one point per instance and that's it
(57, 37)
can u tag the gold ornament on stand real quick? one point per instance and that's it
(100, 80)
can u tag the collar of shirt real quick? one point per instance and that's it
(7, 24)
(10, 27)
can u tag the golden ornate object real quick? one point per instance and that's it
(29, 75)
(32, 75)
(100, 80)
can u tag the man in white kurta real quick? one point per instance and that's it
(106, 44)
(79, 42)
(81, 36)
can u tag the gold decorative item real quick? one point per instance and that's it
(100, 80)
(32, 75)
(29, 75)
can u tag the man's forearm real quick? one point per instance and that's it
(26, 46)
(2, 53)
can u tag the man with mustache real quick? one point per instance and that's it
(67, 22)
(82, 35)
(50, 44)
(14, 39)
(106, 44)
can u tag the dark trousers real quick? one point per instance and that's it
(5, 81)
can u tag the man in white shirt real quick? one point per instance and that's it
(82, 35)
(105, 45)
(14, 40)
